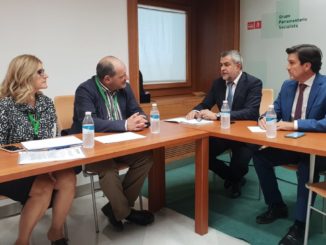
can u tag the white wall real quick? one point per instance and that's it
(69, 36)
(264, 49)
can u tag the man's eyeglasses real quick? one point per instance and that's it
(41, 72)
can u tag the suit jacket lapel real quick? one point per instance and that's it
(240, 88)
(289, 99)
(315, 88)
(221, 90)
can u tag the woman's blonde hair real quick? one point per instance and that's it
(18, 82)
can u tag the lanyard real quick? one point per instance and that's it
(35, 123)
(105, 98)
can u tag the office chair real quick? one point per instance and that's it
(266, 100)
(319, 189)
(122, 169)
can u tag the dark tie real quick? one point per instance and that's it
(298, 108)
(230, 95)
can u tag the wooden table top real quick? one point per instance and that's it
(171, 134)
(311, 143)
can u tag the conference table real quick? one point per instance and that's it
(171, 134)
(312, 143)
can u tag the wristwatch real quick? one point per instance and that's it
(218, 115)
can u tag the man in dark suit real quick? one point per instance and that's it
(300, 106)
(245, 91)
(114, 109)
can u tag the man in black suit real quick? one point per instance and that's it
(245, 92)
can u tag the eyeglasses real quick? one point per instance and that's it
(41, 72)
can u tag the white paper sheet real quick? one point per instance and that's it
(256, 129)
(28, 157)
(113, 138)
(58, 142)
(192, 121)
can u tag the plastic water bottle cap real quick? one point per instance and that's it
(154, 104)
(271, 106)
(225, 101)
(88, 113)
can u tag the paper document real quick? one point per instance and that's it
(58, 142)
(113, 138)
(256, 129)
(191, 121)
(27, 157)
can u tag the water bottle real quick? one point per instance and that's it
(225, 115)
(271, 122)
(155, 119)
(88, 130)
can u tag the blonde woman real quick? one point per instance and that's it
(27, 114)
